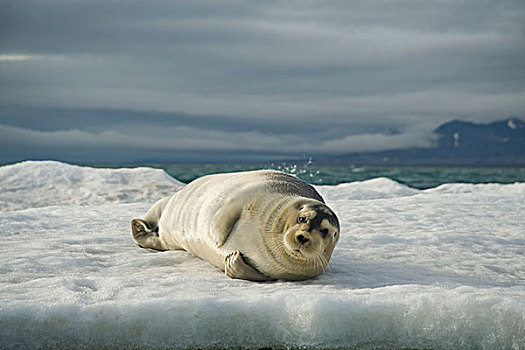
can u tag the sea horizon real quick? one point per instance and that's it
(415, 176)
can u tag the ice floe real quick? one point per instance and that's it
(442, 268)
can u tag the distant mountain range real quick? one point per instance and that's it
(499, 143)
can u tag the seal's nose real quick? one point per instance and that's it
(302, 239)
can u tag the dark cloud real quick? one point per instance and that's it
(283, 77)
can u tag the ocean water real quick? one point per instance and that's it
(435, 268)
(416, 177)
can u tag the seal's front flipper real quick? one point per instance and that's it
(224, 220)
(146, 236)
(236, 267)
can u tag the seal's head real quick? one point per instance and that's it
(311, 233)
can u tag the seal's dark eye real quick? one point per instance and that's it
(302, 219)
(324, 231)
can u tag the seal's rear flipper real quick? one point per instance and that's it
(146, 236)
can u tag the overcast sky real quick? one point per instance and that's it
(181, 80)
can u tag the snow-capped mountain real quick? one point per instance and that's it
(501, 138)
(500, 143)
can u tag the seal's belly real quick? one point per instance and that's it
(186, 221)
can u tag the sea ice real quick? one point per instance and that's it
(442, 268)
(38, 184)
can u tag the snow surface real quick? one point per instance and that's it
(38, 184)
(442, 268)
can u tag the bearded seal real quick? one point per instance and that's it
(255, 225)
